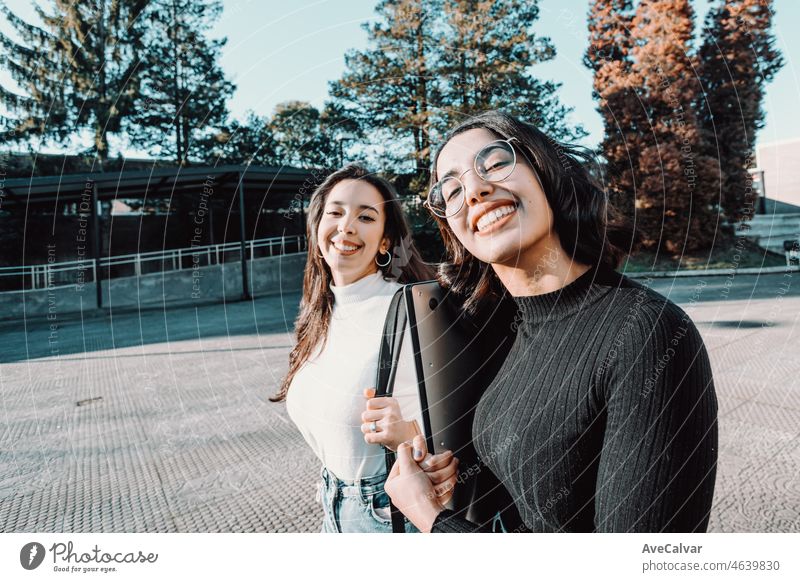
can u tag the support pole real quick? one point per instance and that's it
(96, 235)
(245, 278)
(762, 200)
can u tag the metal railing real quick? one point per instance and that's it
(67, 273)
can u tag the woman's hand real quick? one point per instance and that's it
(411, 489)
(441, 469)
(390, 428)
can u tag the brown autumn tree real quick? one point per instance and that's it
(646, 89)
(737, 58)
(609, 56)
(678, 188)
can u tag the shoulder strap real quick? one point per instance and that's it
(391, 340)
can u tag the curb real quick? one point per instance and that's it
(713, 272)
(146, 308)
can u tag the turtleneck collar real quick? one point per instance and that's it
(366, 287)
(568, 300)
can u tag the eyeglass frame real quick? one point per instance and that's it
(474, 167)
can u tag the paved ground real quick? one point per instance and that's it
(183, 438)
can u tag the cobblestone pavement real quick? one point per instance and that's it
(159, 421)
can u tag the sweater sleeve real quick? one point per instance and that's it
(658, 461)
(448, 522)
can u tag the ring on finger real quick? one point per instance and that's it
(373, 426)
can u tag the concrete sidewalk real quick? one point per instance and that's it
(174, 431)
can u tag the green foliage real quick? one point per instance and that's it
(300, 138)
(736, 60)
(80, 70)
(183, 89)
(487, 48)
(430, 63)
(250, 142)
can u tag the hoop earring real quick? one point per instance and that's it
(386, 264)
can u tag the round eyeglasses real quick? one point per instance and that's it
(493, 163)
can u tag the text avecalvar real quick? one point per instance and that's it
(671, 549)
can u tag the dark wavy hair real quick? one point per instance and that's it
(591, 231)
(316, 304)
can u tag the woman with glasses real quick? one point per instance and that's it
(354, 223)
(603, 416)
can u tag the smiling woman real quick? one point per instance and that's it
(607, 394)
(360, 254)
(351, 231)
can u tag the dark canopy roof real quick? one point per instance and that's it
(158, 182)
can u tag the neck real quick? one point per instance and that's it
(541, 269)
(341, 279)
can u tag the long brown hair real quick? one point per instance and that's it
(591, 231)
(316, 305)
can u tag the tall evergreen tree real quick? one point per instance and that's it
(737, 58)
(299, 136)
(78, 71)
(485, 54)
(677, 196)
(430, 63)
(389, 85)
(183, 87)
(341, 131)
(248, 142)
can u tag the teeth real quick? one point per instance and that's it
(342, 247)
(493, 216)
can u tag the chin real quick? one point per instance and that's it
(496, 249)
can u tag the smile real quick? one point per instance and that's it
(493, 217)
(345, 248)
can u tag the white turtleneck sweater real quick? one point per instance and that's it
(326, 397)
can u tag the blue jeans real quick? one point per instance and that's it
(360, 506)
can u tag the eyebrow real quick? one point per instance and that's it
(361, 207)
(451, 173)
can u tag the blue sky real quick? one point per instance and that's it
(280, 51)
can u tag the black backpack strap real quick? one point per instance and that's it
(391, 340)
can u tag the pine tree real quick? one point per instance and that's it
(486, 50)
(78, 71)
(299, 135)
(736, 60)
(248, 142)
(340, 131)
(389, 86)
(184, 89)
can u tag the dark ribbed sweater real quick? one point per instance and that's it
(603, 415)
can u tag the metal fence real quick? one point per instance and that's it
(67, 273)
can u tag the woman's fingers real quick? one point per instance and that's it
(437, 461)
(407, 464)
(444, 491)
(382, 402)
(446, 473)
(420, 448)
(370, 415)
(369, 392)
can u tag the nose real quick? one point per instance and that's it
(346, 225)
(475, 187)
